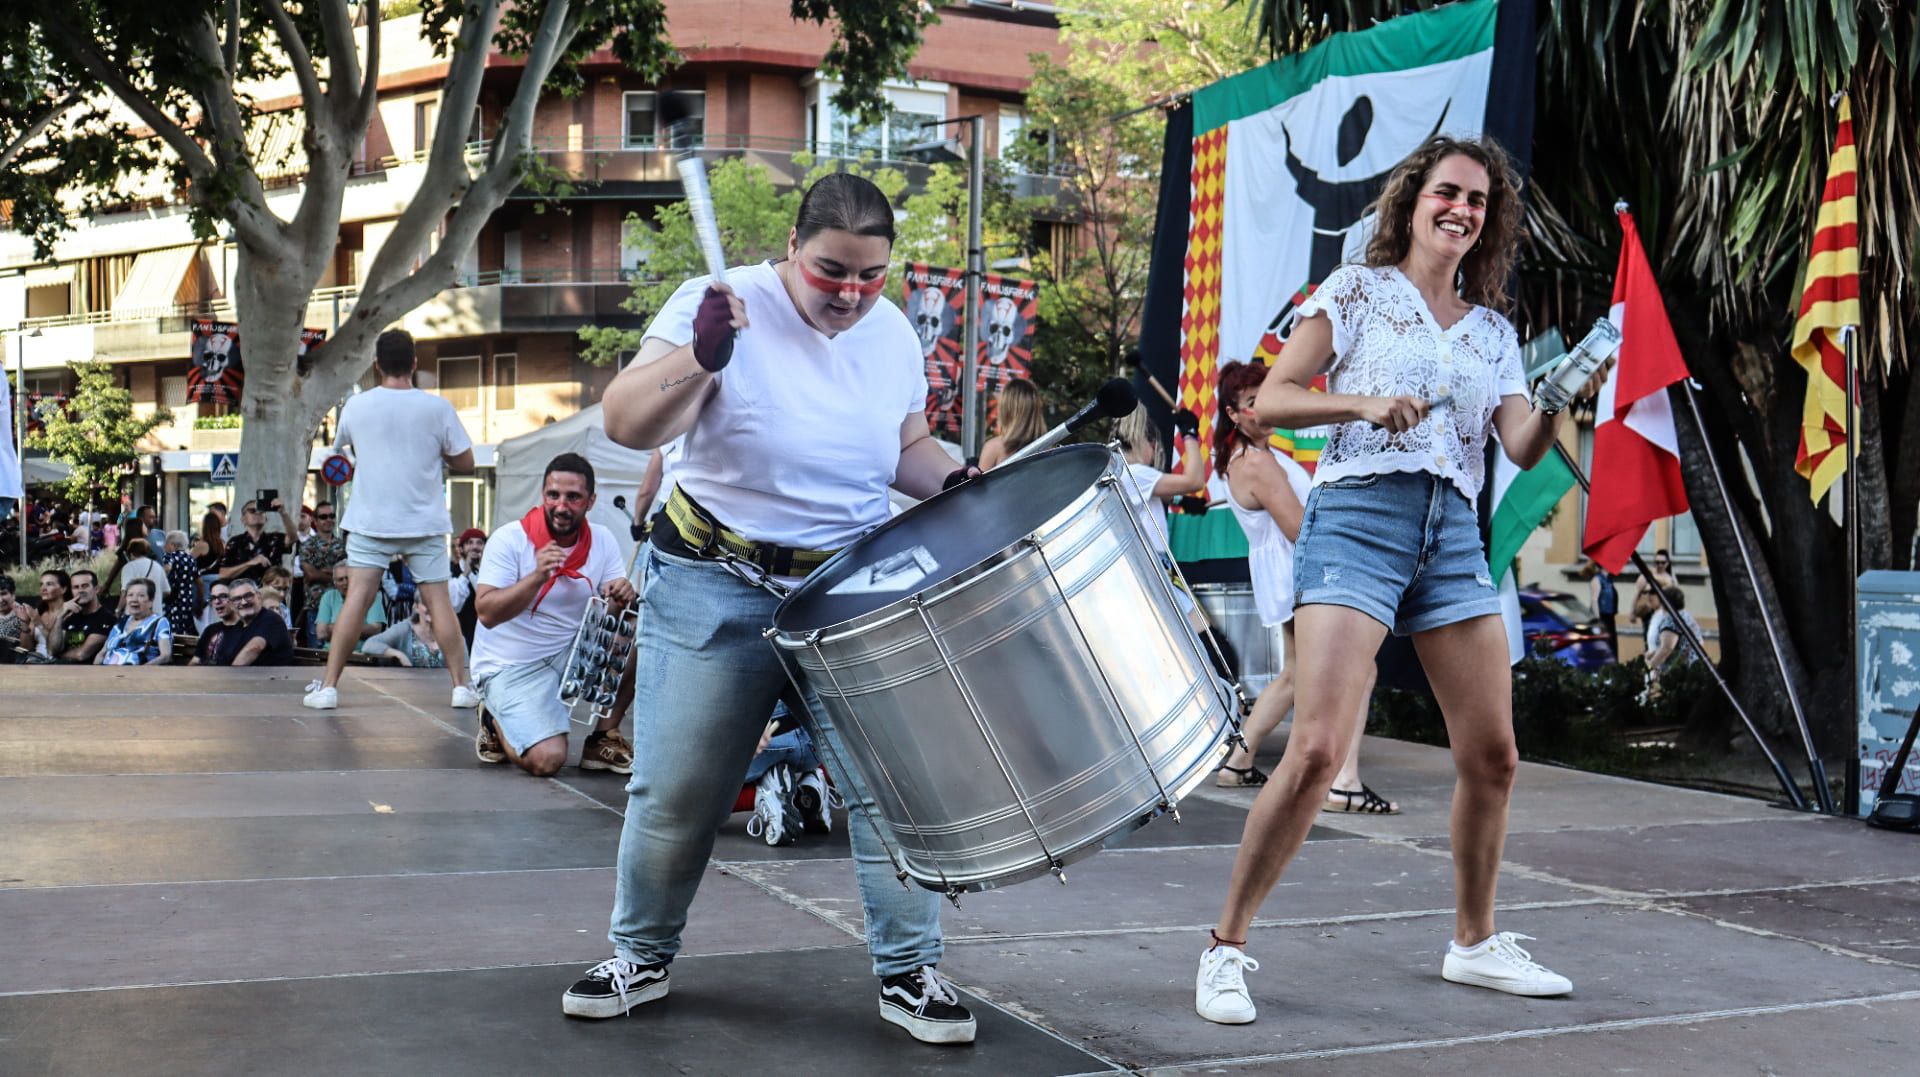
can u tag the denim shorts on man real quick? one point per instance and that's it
(524, 702)
(1403, 548)
(426, 555)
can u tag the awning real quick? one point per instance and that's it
(52, 276)
(274, 143)
(155, 279)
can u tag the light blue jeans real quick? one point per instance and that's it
(705, 682)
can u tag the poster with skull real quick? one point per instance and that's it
(934, 301)
(218, 373)
(1008, 310)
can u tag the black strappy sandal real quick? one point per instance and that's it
(1369, 802)
(1246, 777)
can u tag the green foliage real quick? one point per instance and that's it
(231, 421)
(97, 434)
(756, 217)
(1562, 714)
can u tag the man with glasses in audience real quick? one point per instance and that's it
(257, 638)
(255, 549)
(319, 553)
(220, 619)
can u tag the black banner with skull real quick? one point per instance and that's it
(218, 373)
(936, 301)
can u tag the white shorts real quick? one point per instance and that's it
(524, 701)
(426, 555)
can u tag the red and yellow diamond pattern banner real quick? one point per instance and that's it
(1831, 300)
(1200, 324)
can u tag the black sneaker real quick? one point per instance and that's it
(925, 1004)
(613, 987)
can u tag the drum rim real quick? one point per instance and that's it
(981, 570)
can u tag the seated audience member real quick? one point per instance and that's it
(334, 600)
(319, 552)
(84, 622)
(220, 619)
(276, 593)
(21, 638)
(183, 584)
(143, 636)
(141, 566)
(258, 638)
(791, 793)
(410, 643)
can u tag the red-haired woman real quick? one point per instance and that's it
(1421, 368)
(1267, 491)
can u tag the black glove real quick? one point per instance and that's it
(1186, 422)
(959, 475)
(1191, 505)
(713, 332)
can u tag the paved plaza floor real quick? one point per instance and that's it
(197, 876)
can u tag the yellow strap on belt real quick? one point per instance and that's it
(701, 531)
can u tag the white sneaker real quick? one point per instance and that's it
(321, 698)
(774, 818)
(1501, 964)
(464, 698)
(1220, 991)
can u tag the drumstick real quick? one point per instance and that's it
(693, 181)
(1140, 362)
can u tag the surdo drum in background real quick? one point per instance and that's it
(1008, 674)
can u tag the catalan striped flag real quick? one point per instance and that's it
(1831, 300)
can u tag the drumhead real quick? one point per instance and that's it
(942, 537)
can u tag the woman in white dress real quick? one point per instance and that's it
(1267, 491)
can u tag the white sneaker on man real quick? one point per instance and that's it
(321, 698)
(775, 819)
(1220, 991)
(464, 698)
(1500, 963)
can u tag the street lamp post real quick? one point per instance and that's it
(20, 430)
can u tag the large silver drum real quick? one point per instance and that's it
(1005, 671)
(1235, 616)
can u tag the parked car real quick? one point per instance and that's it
(1563, 625)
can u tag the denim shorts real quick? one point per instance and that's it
(426, 555)
(524, 701)
(1403, 548)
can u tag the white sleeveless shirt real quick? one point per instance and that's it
(1269, 550)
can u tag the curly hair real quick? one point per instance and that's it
(1235, 379)
(1485, 270)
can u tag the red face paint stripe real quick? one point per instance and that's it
(836, 287)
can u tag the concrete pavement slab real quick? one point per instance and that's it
(71, 938)
(775, 1013)
(62, 756)
(219, 796)
(1331, 987)
(1879, 920)
(1122, 890)
(1786, 850)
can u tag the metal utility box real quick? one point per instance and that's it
(1887, 636)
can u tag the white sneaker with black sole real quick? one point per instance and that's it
(817, 801)
(925, 1004)
(775, 818)
(613, 987)
(1501, 964)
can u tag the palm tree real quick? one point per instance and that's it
(1713, 119)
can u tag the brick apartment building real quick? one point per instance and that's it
(122, 286)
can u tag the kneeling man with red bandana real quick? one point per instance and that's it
(532, 590)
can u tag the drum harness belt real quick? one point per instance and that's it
(711, 539)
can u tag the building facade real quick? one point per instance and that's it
(502, 346)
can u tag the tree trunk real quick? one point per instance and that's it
(270, 300)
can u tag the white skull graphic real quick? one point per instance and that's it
(1002, 325)
(213, 355)
(929, 307)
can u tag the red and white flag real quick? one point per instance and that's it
(1636, 454)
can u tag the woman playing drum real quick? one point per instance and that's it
(1421, 368)
(1267, 492)
(800, 393)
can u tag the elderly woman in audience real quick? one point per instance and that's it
(142, 637)
(182, 602)
(140, 565)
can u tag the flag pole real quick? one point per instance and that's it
(1797, 798)
(1850, 509)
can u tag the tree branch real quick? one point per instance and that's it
(343, 64)
(81, 48)
(318, 107)
(12, 150)
(368, 96)
(233, 37)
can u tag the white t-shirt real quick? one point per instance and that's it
(1386, 343)
(548, 631)
(801, 438)
(1148, 509)
(146, 568)
(399, 439)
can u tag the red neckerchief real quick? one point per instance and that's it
(534, 523)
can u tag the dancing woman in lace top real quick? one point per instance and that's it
(1421, 368)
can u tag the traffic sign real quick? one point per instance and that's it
(226, 467)
(337, 470)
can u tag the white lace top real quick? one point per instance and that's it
(1386, 343)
